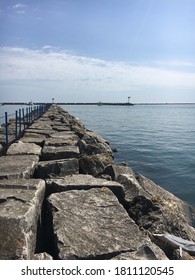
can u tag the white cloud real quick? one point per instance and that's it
(18, 6)
(73, 73)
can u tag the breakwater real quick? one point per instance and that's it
(63, 197)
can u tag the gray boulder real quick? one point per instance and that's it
(157, 210)
(92, 224)
(114, 170)
(21, 148)
(18, 166)
(61, 152)
(20, 209)
(57, 168)
(94, 164)
(82, 182)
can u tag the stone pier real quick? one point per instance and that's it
(63, 197)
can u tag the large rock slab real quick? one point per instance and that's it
(29, 132)
(36, 140)
(65, 135)
(58, 142)
(83, 182)
(63, 152)
(17, 166)
(156, 209)
(92, 225)
(20, 208)
(57, 168)
(21, 148)
(41, 125)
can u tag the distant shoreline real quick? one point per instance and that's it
(96, 103)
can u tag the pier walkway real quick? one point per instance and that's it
(63, 197)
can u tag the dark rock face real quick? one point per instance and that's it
(156, 210)
(92, 224)
(114, 170)
(57, 168)
(94, 164)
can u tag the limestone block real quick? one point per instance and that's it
(57, 168)
(156, 209)
(92, 224)
(36, 140)
(17, 166)
(21, 148)
(63, 152)
(145, 252)
(41, 125)
(20, 208)
(83, 182)
(65, 135)
(57, 142)
(38, 132)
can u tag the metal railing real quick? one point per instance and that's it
(23, 119)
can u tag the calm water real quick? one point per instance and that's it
(157, 141)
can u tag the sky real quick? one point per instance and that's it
(97, 50)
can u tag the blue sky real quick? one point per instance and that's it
(97, 50)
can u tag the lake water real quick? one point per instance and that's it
(157, 141)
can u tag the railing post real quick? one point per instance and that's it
(16, 125)
(23, 117)
(6, 129)
(19, 120)
(29, 115)
(26, 120)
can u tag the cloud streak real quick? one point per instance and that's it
(74, 73)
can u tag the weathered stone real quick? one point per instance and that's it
(57, 142)
(83, 182)
(92, 224)
(29, 132)
(93, 143)
(20, 208)
(57, 168)
(42, 256)
(18, 166)
(41, 125)
(146, 252)
(94, 164)
(21, 148)
(65, 135)
(131, 186)
(60, 128)
(155, 209)
(63, 152)
(36, 140)
(170, 203)
(115, 170)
